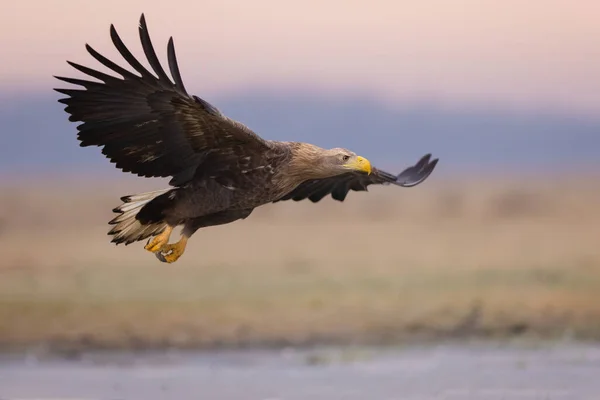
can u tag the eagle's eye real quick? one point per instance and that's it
(345, 157)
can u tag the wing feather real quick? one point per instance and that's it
(149, 125)
(174, 67)
(128, 56)
(151, 54)
(339, 186)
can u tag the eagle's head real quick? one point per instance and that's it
(338, 160)
(313, 162)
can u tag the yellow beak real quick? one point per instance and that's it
(360, 164)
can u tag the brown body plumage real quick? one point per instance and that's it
(220, 170)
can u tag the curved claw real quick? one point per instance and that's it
(158, 242)
(161, 257)
(167, 257)
(169, 253)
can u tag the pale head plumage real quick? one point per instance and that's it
(338, 161)
(313, 162)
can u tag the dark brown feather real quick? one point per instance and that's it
(149, 125)
(339, 186)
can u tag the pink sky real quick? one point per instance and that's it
(526, 53)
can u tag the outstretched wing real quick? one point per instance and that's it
(339, 186)
(149, 125)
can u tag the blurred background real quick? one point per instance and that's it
(501, 242)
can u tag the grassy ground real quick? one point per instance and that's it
(475, 258)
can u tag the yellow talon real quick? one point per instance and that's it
(159, 241)
(170, 253)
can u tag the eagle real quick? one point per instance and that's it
(220, 170)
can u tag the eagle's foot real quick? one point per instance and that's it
(170, 253)
(159, 241)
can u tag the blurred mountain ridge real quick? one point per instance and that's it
(37, 136)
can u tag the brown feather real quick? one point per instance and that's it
(150, 126)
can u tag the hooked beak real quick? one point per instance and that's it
(360, 164)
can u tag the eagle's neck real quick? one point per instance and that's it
(305, 163)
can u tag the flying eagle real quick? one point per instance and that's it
(220, 170)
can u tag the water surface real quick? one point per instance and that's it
(444, 371)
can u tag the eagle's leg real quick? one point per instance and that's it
(170, 253)
(159, 241)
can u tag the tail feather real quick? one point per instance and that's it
(127, 229)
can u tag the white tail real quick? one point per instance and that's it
(127, 228)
